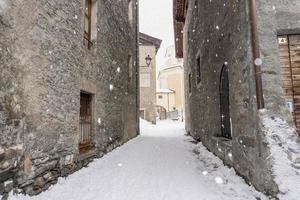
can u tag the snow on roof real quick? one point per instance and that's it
(171, 66)
(162, 90)
(145, 39)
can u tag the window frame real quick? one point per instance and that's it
(144, 112)
(86, 140)
(190, 82)
(198, 69)
(130, 71)
(130, 13)
(88, 9)
(186, 8)
(224, 88)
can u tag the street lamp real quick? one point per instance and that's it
(148, 60)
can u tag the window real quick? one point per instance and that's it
(130, 12)
(190, 83)
(143, 113)
(196, 3)
(160, 96)
(85, 123)
(225, 103)
(130, 72)
(198, 66)
(88, 23)
(186, 8)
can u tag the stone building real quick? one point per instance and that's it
(68, 86)
(148, 47)
(235, 73)
(170, 77)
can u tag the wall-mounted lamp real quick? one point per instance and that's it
(148, 60)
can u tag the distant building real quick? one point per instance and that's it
(148, 49)
(166, 99)
(170, 78)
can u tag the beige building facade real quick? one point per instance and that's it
(148, 49)
(170, 78)
(166, 99)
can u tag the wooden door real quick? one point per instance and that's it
(85, 122)
(225, 104)
(289, 54)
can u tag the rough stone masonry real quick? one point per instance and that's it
(216, 39)
(44, 68)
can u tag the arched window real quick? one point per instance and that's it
(225, 103)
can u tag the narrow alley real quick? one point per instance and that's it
(147, 168)
(109, 100)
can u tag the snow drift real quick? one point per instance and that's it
(285, 152)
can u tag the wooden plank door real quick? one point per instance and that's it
(85, 122)
(289, 54)
(294, 49)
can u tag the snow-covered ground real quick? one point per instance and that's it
(285, 154)
(161, 164)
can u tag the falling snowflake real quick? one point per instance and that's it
(111, 87)
(219, 180)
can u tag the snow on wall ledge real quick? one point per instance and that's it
(285, 154)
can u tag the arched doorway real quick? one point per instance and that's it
(162, 112)
(225, 103)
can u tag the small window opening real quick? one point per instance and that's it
(130, 12)
(190, 83)
(186, 8)
(130, 71)
(196, 3)
(198, 65)
(160, 97)
(142, 113)
(88, 23)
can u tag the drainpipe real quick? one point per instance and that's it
(256, 55)
(137, 65)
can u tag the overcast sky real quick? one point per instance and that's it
(156, 20)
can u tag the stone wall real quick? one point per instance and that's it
(275, 18)
(12, 121)
(148, 92)
(45, 67)
(220, 33)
